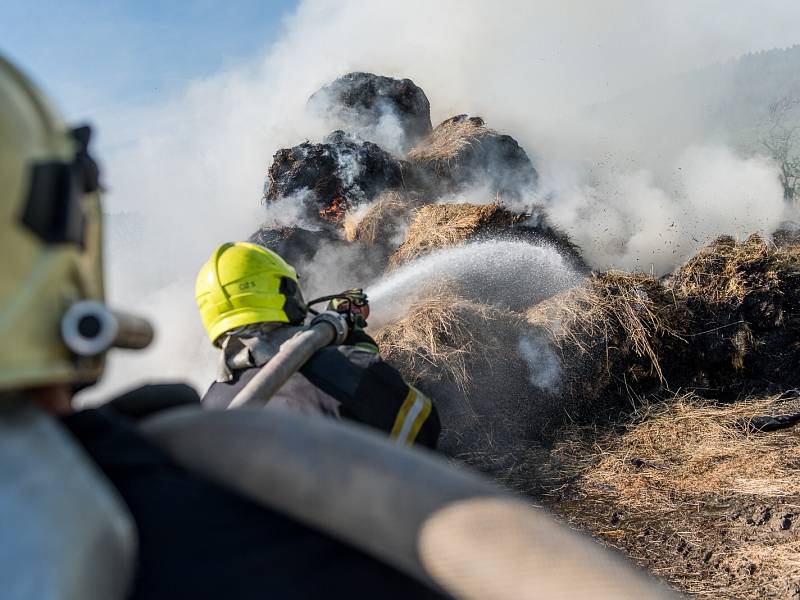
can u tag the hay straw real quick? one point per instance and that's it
(442, 225)
(442, 333)
(700, 448)
(447, 140)
(726, 270)
(677, 470)
(377, 222)
(617, 312)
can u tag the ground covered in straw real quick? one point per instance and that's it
(667, 429)
(699, 493)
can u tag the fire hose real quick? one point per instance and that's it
(448, 528)
(413, 510)
(325, 329)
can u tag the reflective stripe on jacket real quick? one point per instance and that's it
(350, 381)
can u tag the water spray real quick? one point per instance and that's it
(513, 274)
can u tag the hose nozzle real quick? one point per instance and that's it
(336, 321)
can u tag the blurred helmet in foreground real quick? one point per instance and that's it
(54, 327)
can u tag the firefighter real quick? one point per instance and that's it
(90, 507)
(250, 302)
(66, 532)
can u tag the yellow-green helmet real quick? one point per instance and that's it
(244, 283)
(49, 237)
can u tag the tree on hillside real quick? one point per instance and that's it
(780, 139)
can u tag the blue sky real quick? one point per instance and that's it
(96, 57)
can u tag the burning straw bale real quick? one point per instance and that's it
(462, 153)
(438, 226)
(442, 335)
(726, 323)
(383, 221)
(364, 103)
(463, 354)
(740, 275)
(612, 333)
(329, 178)
(693, 493)
(294, 244)
(745, 302)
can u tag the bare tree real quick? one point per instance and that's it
(780, 138)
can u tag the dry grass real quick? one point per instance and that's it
(442, 225)
(684, 487)
(726, 271)
(613, 315)
(442, 333)
(380, 221)
(684, 478)
(447, 140)
(690, 447)
(745, 302)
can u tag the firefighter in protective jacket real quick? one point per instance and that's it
(250, 303)
(91, 506)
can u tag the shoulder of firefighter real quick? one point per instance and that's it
(349, 381)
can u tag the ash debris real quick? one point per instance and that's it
(348, 170)
(331, 177)
(376, 108)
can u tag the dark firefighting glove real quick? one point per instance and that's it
(354, 305)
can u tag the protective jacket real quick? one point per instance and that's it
(200, 540)
(350, 381)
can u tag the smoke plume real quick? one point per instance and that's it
(187, 175)
(633, 221)
(544, 371)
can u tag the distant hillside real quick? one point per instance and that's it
(728, 102)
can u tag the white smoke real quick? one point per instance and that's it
(544, 368)
(187, 175)
(290, 211)
(349, 169)
(631, 221)
(387, 132)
